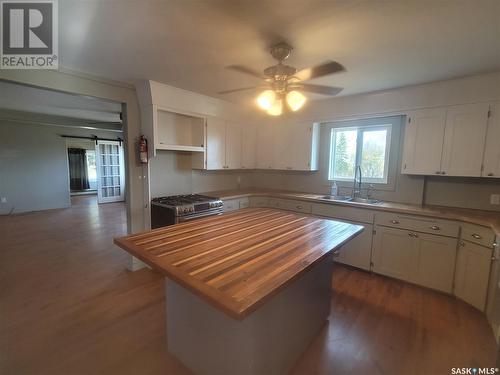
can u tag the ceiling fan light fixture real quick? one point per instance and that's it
(295, 100)
(277, 108)
(266, 100)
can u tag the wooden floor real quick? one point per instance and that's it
(68, 306)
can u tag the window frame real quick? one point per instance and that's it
(361, 130)
(393, 157)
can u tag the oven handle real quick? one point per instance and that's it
(183, 219)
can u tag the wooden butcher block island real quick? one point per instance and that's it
(265, 274)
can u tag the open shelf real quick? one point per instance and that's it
(179, 132)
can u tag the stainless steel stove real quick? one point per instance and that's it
(179, 208)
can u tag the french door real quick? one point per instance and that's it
(110, 172)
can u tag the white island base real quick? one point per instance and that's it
(268, 341)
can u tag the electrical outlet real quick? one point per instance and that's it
(495, 199)
(3, 200)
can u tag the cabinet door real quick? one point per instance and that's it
(436, 261)
(357, 252)
(233, 146)
(301, 144)
(281, 149)
(464, 140)
(394, 253)
(216, 140)
(472, 273)
(423, 141)
(249, 147)
(265, 135)
(491, 163)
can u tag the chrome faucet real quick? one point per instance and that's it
(356, 186)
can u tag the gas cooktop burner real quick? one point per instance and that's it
(179, 200)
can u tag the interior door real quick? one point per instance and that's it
(110, 172)
(464, 139)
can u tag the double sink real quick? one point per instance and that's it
(346, 198)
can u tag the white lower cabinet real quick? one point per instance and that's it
(472, 273)
(394, 253)
(420, 258)
(357, 252)
(436, 261)
(235, 204)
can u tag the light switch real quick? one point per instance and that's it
(495, 199)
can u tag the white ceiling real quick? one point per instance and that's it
(187, 43)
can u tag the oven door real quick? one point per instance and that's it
(183, 219)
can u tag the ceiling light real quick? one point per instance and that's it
(277, 108)
(295, 100)
(266, 100)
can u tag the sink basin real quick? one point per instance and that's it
(365, 200)
(346, 198)
(337, 197)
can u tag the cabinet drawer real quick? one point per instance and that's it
(478, 234)
(423, 224)
(244, 202)
(297, 206)
(342, 212)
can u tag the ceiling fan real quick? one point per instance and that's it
(284, 83)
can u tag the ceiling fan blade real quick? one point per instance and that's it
(325, 69)
(245, 70)
(240, 89)
(318, 89)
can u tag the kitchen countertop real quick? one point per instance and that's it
(239, 260)
(480, 217)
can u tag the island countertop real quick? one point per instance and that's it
(239, 260)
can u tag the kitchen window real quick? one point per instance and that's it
(370, 143)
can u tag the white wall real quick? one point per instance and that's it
(34, 172)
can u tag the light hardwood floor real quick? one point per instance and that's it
(69, 306)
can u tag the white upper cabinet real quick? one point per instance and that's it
(265, 146)
(248, 147)
(446, 141)
(491, 163)
(233, 146)
(216, 143)
(296, 147)
(423, 144)
(464, 139)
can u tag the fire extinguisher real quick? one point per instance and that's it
(143, 150)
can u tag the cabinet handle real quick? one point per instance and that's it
(438, 172)
(336, 253)
(443, 172)
(494, 244)
(299, 207)
(414, 235)
(494, 259)
(394, 222)
(476, 236)
(435, 227)
(461, 243)
(490, 174)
